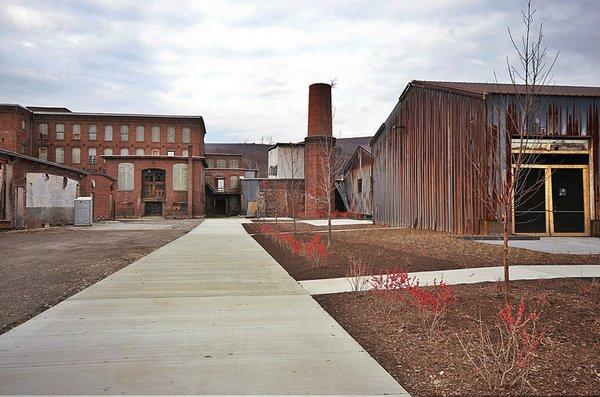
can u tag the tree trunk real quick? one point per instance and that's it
(329, 236)
(505, 259)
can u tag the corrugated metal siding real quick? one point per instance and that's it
(360, 168)
(422, 173)
(557, 116)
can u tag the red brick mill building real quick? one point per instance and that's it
(135, 165)
(132, 165)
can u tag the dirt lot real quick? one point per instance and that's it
(40, 268)
(412, 250)
(391, 331)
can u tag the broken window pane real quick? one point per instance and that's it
(76, 132)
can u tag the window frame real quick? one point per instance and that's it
(78, 157)
(62, 156)
(43, 130)
(76, 132)
(186, 135)
(61, 132)
(124, 132)
(92, 132)
(171, 133)
(125, 177)
(140, 133)
(108, 128)
(180, 177)
(92, 158)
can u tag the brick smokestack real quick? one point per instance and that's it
(319, 110)
(318, 139)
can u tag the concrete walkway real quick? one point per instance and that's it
(457, 276)
(209, 313)
(556, 245)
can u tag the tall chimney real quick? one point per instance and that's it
(317, 144)
(319, 110)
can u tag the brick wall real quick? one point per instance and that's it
(130, 203)
(15, 129)
(84, 143)
(280, 196)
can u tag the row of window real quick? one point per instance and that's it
(59, 154)
(221, 163)
(126, 176)
(92, 133)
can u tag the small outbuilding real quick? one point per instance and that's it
(36, 193)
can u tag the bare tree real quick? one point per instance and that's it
(327, 169)
(293, 162)
(501, 178)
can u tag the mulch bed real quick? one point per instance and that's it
(382, 250)
(287, 226)
(567, 361)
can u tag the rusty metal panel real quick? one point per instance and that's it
(359, 168)
(556, 116)
(422, 172)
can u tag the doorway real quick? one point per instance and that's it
(221, 207)
(153, 208)
(552, 200)
(153, 184)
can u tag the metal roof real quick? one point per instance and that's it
(483, 89)
(45, 162)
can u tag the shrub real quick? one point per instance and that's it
(357, 274)
(315, 251)
(432, 303)
(396, 279)
(504, 354)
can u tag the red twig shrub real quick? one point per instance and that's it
(432, 303)
(396, 279)
(357, 274)
(503, 355)
(315, 250)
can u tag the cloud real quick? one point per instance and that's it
(246, 66)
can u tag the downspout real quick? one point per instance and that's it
(190, 183)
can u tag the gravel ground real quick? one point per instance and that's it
(40, 268)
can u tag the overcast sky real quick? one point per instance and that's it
(246, 66)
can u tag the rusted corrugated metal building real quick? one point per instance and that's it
(423, 175)
(357, 174)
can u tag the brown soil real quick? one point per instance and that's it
(382, 250)
(43, 267)
(390, 330)
(287, 226)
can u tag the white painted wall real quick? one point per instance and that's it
(286, 158)
(46, 191)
